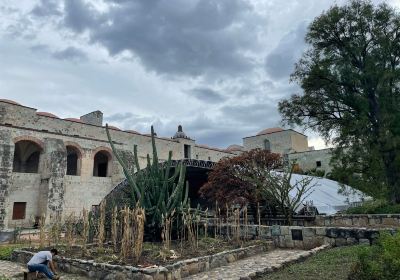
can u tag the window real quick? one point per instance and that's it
(209, 158)
(267, 145)
(26, 157)
(319, 164)
(101, 166)
(197, 156)
(186, 151)
(19, 210)
(73, 161)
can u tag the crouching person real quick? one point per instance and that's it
(41, 262)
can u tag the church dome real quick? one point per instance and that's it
(74, 120)
(132, 131)
(9, 101)
(270, 130)
(233, 148)
(180, 133)
(47, 114)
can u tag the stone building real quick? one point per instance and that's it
(51, 166)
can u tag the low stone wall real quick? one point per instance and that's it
(361, 220)
(311, 237)
(177, 270)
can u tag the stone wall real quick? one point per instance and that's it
(308, 160)
(363, 220)
(6, 163)
(282, 142)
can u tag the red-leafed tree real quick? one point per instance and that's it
(227, 182)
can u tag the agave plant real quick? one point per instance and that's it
(159, 188)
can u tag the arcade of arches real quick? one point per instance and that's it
(27, 160)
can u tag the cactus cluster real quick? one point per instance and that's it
(159, 188)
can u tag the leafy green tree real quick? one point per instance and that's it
(350, 77)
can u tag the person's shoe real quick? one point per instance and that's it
(56, 277)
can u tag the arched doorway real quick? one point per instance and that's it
(102, 164)
(73, 161)
(26, 157)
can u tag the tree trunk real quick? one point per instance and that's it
(392, 175)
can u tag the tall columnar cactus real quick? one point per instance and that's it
(156, 188)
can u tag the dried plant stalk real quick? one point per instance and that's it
(126, 233)
(139, 218)
(42, 232)
(167, 230)
(69, 224)
(85, 231)
(114, 228)
(206, 223)
(102, 219)
(188, 222)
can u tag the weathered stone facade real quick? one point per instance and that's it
(51, 166)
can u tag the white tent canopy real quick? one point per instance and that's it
(325, 194)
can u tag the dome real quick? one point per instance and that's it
(47, 114)
(74, 120)
(270, 130)
(180, 133)
(113, 127)
(132, 131)
(203, 146)
(233, 148)
(9, 101)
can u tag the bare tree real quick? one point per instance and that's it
(276, 186)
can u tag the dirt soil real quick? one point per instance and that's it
(155, 254)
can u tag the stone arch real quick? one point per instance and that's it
(267, 145)
(102, 162)
(74, 158)
(27, 154)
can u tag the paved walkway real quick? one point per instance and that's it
(15, 271)
(250, 267)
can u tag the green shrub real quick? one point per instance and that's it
(375, 207)
(2, 277)
(5, 252)
(380, 261)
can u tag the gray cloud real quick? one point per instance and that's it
(46, 8)
(70, 53)
(258, 115)
(173, 36)
(279, 63)
(207, 95)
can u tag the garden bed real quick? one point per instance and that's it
(211, 254)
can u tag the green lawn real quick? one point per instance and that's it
(331, 264)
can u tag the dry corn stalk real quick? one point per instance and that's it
(206, 224)
(126, 233)
(114, 227)
(102, 219)
(42, 232)
(69, 223)
(85, 231)
(167, 230)
(139, 218)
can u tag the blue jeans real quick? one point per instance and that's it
(43, 268)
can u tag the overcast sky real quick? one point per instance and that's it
(218, 67)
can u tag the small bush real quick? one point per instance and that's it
(380, 261)
(5, 252)
(2, 277)
(375, 207)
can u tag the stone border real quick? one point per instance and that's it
(177, 270)
(359, 220)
